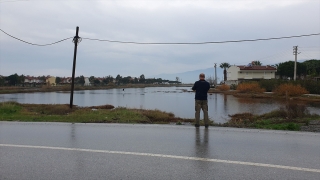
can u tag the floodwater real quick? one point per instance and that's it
(170, 99)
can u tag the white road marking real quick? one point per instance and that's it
(167, 156)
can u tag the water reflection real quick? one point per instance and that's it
(202, 143)
(201, 147)
(77, 165)
(170, 99)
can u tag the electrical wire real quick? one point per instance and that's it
(274, 55)
(12, 1)
(174, 43)
(197, 43)
(307, 55)
(34, 43)
(310, 47)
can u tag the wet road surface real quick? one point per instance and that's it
(119, 151)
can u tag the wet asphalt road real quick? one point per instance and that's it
(114, 151)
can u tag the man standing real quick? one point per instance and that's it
(201, 102)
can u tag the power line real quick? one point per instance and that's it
(310, 47)
(34, 43)
(279, 54)
(195, 43)
(12, 1)
(173, 43)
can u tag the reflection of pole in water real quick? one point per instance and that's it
(79, 167)
(225, 99)
(216, 102)
(73, 136)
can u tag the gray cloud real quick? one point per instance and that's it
(152, 21)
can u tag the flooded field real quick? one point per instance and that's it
(171, 99)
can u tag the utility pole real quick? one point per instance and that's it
(295, 53)
(76, 40)
(215, 75)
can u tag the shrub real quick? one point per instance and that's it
(296, 110)
(312, 86)
(251, 87)
(290, 90)
(289, 111)
(233, 86)
(279, 113)
(223, 87)
(270, 84)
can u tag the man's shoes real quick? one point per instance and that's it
(196, 125)
(206, 126)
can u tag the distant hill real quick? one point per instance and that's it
(191, 76)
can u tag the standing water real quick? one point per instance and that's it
(170, 99)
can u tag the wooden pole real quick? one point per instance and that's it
(75, 40)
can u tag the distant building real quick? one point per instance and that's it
(87, 82)
(51, 81)
(242, 73)
(32, 80)
(66, 80)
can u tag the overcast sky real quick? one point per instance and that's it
(170, 21)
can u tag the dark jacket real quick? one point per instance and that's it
(201, 87)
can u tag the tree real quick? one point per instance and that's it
(96, 82)
(286, 69)
(177, 79)
(142, 78)
(312, 67)
(91, 79)
(42, 78)
(2, 81)
(126, 80)
(118, 79)
(224, 66)
(159, 80)
(210, 80)
(136, 80)
(81, 80)
(13, 79)
(58, 80)
(256, 63)
(108, 79)
(21, 79)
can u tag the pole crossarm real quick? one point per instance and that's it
(76, 40)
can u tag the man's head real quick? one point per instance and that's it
(201, 76)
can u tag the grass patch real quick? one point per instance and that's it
(283, 126)
(291, 117)
(12, 111)
(277, 120)
(9, 109)
(273, 123)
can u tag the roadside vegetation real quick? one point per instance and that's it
(250, 87)
(13, 111)
(291, 117)
(279, 89)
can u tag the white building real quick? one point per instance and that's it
(241, 73)
(86, 81)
